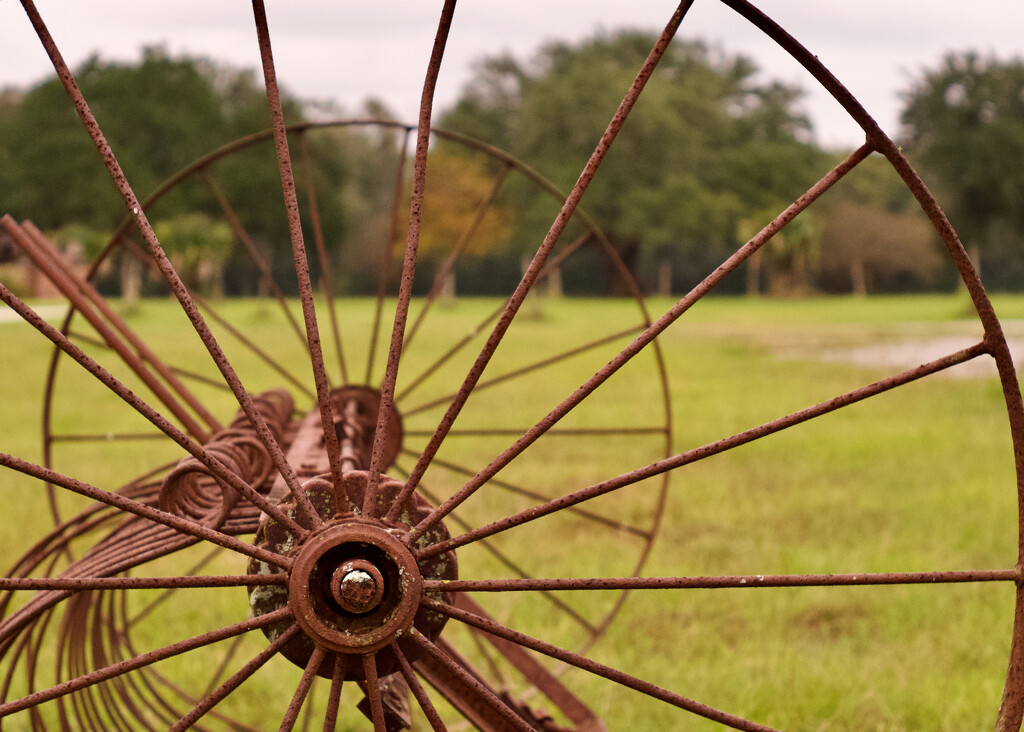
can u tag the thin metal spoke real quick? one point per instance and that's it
(137, 662)
(418, 691)
(326, 269)
(373, 692)
(139, 583)
(385, 256)
(227, 660)
(334, 696)
(108, 380)
(710, 449)
(236, 680)
(178, 523)
(536, 265)
(684, 304)
(316, 355)
(452, 351)
(507, 562)
(242, 234)
(164, 596)
(496, 704)
(520, 491)
(308, 674)
(553, 432)
(463, 242)
(598, 669)
(724, 581)
(251, 346)
(529, 368)
(80, 337)
(181, 293)
(107, 436)
(387, 389)
(310, 707)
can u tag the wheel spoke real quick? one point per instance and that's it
(508, 563)
(107, 436)
(108, 380)
(308, 674)
(145, 659)
(724, 582)
(598, 669)
(178, 523)
(641, 341)
(708, 450)
(326, 269)
(334, 696)
(553, 432)
(225, 662)
(445, 270)
(385, 257)
(164, 596)
(452, 351)
(301, 265)
(240, 232)
(387, 389)
(373, 692)
(167, 270)
(537, 264)
(418, 691)
(138, 583)
(520, 491)
(236, 680)
(251, 346)
(494, 703)
(529, 368)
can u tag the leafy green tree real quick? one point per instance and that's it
(706, 145)
(158, 115)
(198, 246)
(964, 126)
(874, 236)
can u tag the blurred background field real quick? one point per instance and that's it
(917, 479)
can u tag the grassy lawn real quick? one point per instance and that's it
(920, 478)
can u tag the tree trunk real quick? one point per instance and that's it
(554, 282)
(858, 279)
(754, 274)
(975, 254)
(447, 296)
(628, 252)
(131, 280)
(665, 277)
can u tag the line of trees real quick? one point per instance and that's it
(710, 154)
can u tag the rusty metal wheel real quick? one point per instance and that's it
(370, 555)
(433, 364)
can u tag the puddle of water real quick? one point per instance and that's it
(908, 352)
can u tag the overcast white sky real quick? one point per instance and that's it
(347, 51)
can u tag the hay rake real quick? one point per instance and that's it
(358, 572)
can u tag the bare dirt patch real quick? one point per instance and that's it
(916, 344)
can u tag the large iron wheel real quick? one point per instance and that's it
(363, 568)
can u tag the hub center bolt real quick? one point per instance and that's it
(358, 586)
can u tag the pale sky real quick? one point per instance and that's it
(347, 51)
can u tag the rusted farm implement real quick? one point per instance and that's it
(356, 570)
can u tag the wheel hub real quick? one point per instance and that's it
(358, 589)
(355, 585)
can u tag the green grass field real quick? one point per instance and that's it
(920, 478)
